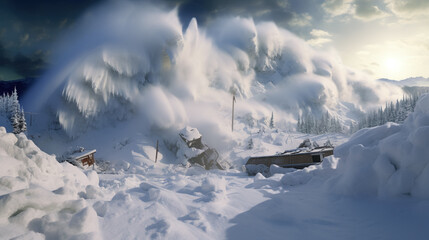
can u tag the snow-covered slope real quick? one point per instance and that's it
(41, 198)
(410, 82)
(388, 160)
(128, 76)
(126, 61)
(385, 161)
(373, 188)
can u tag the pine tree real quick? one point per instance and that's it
(14, 103)
(15, 123)
(2, 104)
(250, 144)
(391, 113)
(298, 125)
(7, 105)
(22, 124)
(272, 120)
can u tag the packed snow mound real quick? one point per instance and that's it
(389, 160)
(190, 134)
(24, 164)
(127, 60)
(41, 197)
(192, 150)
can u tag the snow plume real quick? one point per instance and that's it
(127, 60)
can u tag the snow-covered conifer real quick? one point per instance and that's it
(22, 124)
(14, 103)
(272, 120)
(15, 123)
(250, 144)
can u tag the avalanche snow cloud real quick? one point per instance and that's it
(128, 60)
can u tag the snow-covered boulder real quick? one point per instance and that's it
(191, 150)
(42, 198)
(387, 160)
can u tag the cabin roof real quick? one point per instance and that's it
(82, 154)
(300, 151)
(306, 151)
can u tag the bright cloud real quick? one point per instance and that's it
(320, 38)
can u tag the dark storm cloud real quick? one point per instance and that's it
(46, 10)
(24, 65)
(28, 28)
(259, 9)
(282, 12)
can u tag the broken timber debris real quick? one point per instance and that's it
(82, 158)
(192, 150)
(306, 155)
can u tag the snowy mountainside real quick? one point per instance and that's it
(146, 67)
(166, 201)
(43, 199)
(129, 76)
(410, 82)
(384, 161)
(388, 160)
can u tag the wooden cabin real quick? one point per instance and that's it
(298, 158)
(84, 159)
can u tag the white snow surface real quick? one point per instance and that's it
(128, 76)
(168, 201)
(190, 133)
(388, 160)
(41, 198)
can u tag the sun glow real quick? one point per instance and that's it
(392, 64)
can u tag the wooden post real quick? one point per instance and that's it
(156, 155)
(232, 121)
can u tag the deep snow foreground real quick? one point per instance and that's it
(388, 160)
(130, 76)
(41, 198)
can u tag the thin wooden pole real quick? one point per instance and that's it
(232, 121)
(156, 155)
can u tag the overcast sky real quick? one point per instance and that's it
(385, 38)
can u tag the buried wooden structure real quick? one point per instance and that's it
(84, 159)
(198, 153)
(298, 158)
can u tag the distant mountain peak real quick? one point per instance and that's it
(410, 82)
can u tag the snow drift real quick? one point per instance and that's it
(384, 161)
(387, 160)
(128, 60)
(41, 198)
